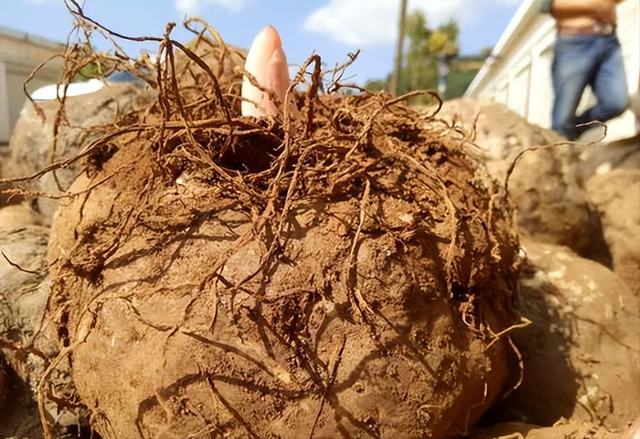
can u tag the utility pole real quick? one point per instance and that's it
(395, 76)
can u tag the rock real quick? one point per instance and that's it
(5, 199)
(19, 414)
(600, 158)
(564, 429)
(581, 353)
(4, 381)
(28, 341)
(546, 183)
(616, 195)
(18, 215)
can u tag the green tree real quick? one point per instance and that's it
(444, 40)
(425, 46)
(378, 84)
(418, 72)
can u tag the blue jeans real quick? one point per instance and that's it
(581, 60)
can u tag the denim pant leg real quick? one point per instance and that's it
(574, 61)
(609, 84)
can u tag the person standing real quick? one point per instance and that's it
(587, 52)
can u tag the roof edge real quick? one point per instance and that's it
(35, 39)
(527, 11)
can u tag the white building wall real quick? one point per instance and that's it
(519, 78)
(519, 72)
(20, 54)
(5, 130)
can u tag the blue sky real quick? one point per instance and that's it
(331, 28)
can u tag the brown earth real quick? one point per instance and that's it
(616, 195)
(342, 270)
(583, 326)
(36, 145)
(546, 184)
(361, 299)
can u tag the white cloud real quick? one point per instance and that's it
(375, 22)
(194, 7)
(187, 7)
(352, 23)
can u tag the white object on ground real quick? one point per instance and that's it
(48, 92)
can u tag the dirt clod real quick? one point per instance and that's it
(343, 269)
